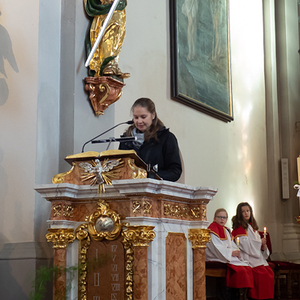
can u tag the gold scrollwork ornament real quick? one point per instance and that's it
(84, 240)
(59, 178)
(139, 235)
(62, 209)
(104, 223)
(137, 173)
(199, 237)
(60, 237)
(175, 210)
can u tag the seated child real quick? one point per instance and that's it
(253, 250)
(222, 249)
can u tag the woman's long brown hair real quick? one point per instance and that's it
(151, 132)
(238, 219)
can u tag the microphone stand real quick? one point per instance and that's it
(128, 122)
(112, 139)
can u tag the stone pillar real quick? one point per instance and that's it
(199, 238)
(60, 237)
(139, 237)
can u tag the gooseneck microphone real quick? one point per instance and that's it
(128, 122)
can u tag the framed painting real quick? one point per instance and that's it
(200, 56)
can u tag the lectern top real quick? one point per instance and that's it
(107, 154)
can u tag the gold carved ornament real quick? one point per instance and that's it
(129, 252)
(104, 223)
(85, 241)
(106, 80)
(59, 178)
(141, 206)
(175, 210)
(199, 237)
(60, 237)
(103, 91)
(101, 173)
(199, 212)
(137, 173)
(134, 236)
(139, 235)
(62, 209)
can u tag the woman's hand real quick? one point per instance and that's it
(263, 244)
(236, 253)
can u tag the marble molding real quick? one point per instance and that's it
(130, 198)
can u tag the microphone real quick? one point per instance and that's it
(128, 122)
(113, 139)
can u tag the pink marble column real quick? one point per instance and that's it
(139, 237)
(60, 280)
(199, 280)
(140, 273)
(60, 237)
(199, 238)
(176, 274)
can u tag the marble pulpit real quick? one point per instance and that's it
(151, 235)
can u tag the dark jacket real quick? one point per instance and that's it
(164, 152)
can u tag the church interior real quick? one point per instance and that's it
(248, 154)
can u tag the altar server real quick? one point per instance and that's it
(254, 250)
(222, 249)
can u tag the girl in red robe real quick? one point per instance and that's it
(254, 250)
(222, 249)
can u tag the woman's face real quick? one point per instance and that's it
(246, 213)
(221, 218)
(142, 118)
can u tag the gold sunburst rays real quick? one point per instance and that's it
(101, 173)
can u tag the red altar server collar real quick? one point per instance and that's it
(218, 230)
(240, 231)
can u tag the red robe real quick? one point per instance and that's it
(263, 275)
(239, 274)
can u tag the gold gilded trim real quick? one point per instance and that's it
(199, 237)
(62, 209)
(60, 237)
(128, 246)
(199, 212)
(139, 235)
(59, 178)
(141, 207)
(176, 210)
(137, 173)
(104, 88)
(84, 243)
(88, 154)
(101, 173)
(87, 230)
(117, 152)
(104, 213)
(134, 236)
(94, 154)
